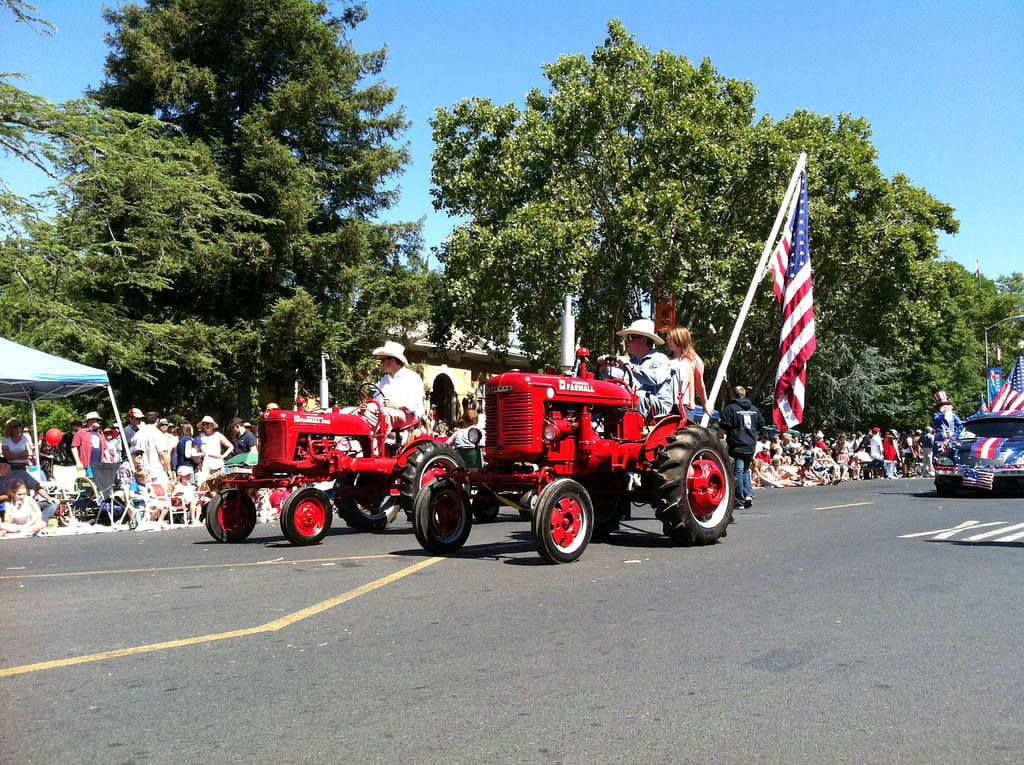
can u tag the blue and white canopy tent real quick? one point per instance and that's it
(29, 375)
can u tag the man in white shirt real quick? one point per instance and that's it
(156, 454)
(401, 390)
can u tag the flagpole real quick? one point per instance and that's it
(709, 407)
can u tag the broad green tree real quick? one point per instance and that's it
(275, 89)
(639, 171)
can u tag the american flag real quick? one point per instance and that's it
(1011, 395)
(791, 271)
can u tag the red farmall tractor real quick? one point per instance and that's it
(328, 461)
(577, 450)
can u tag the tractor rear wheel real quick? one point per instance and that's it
(563, 521)
(230, 515)
(442, 518)
(373, 510)
(306, 516)
(430, 460)
(699, 487)
(486, 507)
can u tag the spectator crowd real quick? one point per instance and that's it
(797, 460)
(168, 470)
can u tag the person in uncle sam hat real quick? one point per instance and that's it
(947, 425)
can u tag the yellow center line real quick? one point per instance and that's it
(271, 626)
(196, 567)
(836, 507)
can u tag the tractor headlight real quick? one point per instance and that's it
(475, 436)
(550, 431)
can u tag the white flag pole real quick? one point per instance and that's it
(758, 276)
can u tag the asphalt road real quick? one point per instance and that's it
(871, 622)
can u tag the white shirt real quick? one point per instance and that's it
(404, 389)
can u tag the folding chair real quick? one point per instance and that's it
(108, 497)
(161, 500)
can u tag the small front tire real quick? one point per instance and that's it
(306, 516)
(563, 521)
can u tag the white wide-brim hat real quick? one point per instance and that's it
(93, 416)
(208, 420)
(644, 327)
(393, 349)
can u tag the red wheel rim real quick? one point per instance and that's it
(566, 522)
(706, 487)
(446, 518)
(309, 517)
(232, 515)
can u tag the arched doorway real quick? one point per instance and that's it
(442, 396)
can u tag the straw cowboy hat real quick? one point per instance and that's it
(93, 416)
(643, 327)
(393, 349)
(208, 419)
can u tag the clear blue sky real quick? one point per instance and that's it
(940, 82)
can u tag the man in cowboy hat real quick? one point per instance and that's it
(400, 390)
(648, 370)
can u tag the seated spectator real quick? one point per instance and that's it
(825, 466)
(184, 494)
(764, 475)
(808, 476)
(21, 513)
(144, 500)
(17, 447)
(9, 477)
(787, 471)
(460, 438)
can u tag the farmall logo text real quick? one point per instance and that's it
(575, 386)
(313, 420)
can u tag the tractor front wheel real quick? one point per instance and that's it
(563, 521)
(699, 487)
(230, 515)
(306, 516)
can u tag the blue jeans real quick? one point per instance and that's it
(741, 469)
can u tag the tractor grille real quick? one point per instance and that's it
(513, 426)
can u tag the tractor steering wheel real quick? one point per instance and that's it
(370, 390)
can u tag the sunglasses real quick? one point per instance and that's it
(387, 358)
(631, 338)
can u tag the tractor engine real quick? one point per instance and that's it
(309, 442)
(572, 424)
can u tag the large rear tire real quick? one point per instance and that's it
(563, 521)
(306, 516)
(442, 518)
(230, 516)
(430, 461)
(699, 488)
(374, 509)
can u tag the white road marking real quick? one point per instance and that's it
(996, 533)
